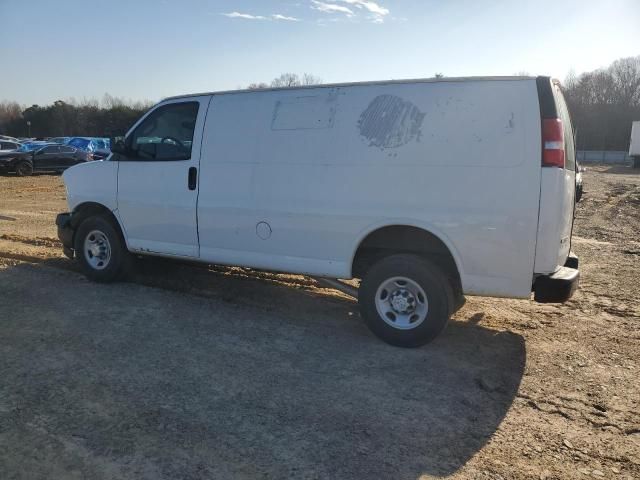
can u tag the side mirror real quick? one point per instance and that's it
(118, 145)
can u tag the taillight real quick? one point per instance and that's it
(552, 143)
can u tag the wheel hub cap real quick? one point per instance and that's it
(97, 250)
(402, 303)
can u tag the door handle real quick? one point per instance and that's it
(193, 178)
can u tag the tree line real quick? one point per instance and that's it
(603, 103)
(92, 118)
(71, 118)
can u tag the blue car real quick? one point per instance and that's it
(97, 148)
(88, 144)
(60, 140)
(31, 146)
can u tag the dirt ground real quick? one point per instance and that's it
(190, 372)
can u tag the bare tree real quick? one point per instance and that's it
(258, 86)
(288, 80)
(603, 104)
(625, 74)
(309, 79)
(9, 112)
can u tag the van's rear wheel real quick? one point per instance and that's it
(405, 300)
(101, 250)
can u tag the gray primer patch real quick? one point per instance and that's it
(390, 122)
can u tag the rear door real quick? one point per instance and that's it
(557, 179)
(157, 179)
(568, 199)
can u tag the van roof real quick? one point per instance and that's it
(354, 84)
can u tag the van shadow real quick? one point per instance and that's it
(256, 379)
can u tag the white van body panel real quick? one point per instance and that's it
(634, 144)
(323, 167)
(554, 241)
(95, 182)
(294, 180)
(557, 201)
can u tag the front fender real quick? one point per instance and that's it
(95, 182)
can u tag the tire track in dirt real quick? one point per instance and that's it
(35, 241)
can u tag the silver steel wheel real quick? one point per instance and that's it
(97, 250)
(402, 303)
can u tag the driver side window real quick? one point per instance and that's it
(166, 134)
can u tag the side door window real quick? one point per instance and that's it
(165, 135)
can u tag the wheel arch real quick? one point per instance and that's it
(85, 210)
(381, 240)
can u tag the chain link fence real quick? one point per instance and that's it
(604, 156)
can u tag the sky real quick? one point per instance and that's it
(151, 49)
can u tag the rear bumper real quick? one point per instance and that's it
(65, 233)
(560, 285)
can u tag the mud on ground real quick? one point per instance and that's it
(191, 372)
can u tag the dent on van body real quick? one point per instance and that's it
(390, 122)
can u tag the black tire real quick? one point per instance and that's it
(24, 168)
(424, 274)
(119, 261)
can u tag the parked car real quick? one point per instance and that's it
(7, 145)
(33, 145)
(52, 157)
(97, 148)
(60, 140)
(100, 154)
(17, 161)
(426, 190)
(9, 139)
(89, 144)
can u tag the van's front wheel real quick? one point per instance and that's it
(405, 300)
(100, 249)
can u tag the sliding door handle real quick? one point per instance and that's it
(193, 178)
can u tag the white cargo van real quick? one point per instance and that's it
(426, 190)
(634, 144)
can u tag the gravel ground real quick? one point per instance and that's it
(192, 372)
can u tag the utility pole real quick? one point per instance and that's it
(29, 127)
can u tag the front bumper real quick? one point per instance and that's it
(560, 285)
(65, 233)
